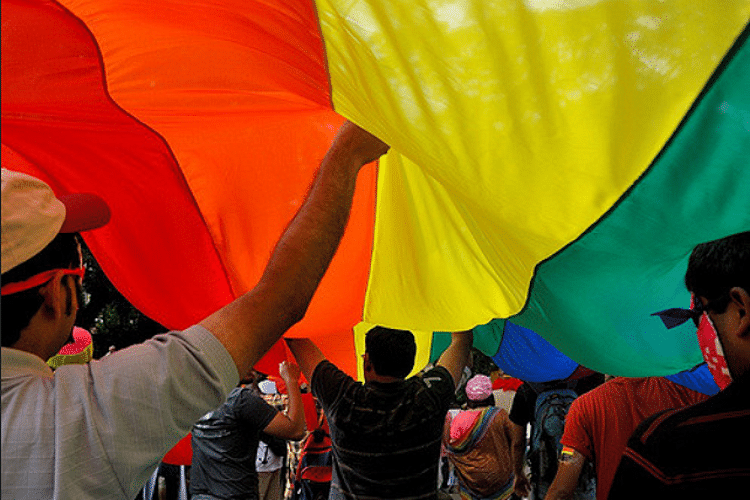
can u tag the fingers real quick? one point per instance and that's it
(289, 371)
(362, 145)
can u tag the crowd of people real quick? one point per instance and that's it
(100, 430)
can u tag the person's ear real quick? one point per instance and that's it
(56, 293)
(366, 363)
(71, 294)
(740, 301)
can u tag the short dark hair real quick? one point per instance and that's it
(716, 266)
(488, 401)
(17, 309)
(391, 351)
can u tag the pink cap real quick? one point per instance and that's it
(479, 388)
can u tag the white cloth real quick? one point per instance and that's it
(99, 430)
(266, 460)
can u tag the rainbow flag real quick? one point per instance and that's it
(552, 163)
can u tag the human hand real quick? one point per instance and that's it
(289, 372)
(522, 486)
(359, 144)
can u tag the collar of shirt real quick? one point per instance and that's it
(17, 363)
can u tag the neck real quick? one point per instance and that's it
(374, 377)
(33, 346)
(40, 338)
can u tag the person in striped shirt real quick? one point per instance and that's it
(701, 451)
(386, 433)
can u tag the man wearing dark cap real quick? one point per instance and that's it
(99, 430)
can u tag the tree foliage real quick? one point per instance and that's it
(110, 318)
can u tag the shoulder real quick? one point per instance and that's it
(433, 389)
(522, 408)
(699, 436)
(244, 397)
(436, 375)
(437, 380)
(327, 371)
(722, 413)
(586, 404)
(525, 396)
(251, 398)
(660, 428)
(194, 356)
(251, 408)
(329, 383)
(499, 416)
(525, 391)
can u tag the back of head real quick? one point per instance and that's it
(39, 234)
(391, 352)
(18, 308)
(479, 391)
(717, 266)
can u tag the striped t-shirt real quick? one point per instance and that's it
(698, 452)
(386, 436)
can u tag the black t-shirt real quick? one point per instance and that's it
(225, 442)
(696, 452)
(386, 436)
(522, 409)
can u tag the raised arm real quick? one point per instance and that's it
(252, 323)
(455, 357)
(307, 354)
(292, 425)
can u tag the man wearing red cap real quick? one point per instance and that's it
(99, 430)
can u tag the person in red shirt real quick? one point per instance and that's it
(600, 422)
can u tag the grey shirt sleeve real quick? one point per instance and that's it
(128, 409)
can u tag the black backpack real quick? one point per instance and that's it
(552, 404)
(550, 410)
(313, 478)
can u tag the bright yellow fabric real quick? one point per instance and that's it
(527, 120)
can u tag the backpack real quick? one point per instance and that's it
(549, 422)
(313, 478)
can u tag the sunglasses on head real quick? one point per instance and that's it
(676, 316)
(38, 280)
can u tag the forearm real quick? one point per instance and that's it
(250, 325)
(461, 343)
(456, 356)
(518, 447)
(307, 354)
(556, 493)
(303, 253)
(295, 410)
(569, 469)
(518, 459)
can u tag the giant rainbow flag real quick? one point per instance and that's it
(552, 163)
